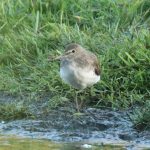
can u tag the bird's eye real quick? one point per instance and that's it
(73, 51)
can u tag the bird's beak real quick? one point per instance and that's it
(57, 58)
(60, 57)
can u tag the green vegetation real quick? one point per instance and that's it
(13, 111)
(141, 116)
(118, 31)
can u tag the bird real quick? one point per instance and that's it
(79, 68)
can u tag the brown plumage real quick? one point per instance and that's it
(79, 67)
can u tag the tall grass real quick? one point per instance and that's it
(118, 31)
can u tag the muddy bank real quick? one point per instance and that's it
(102, 126)
(95, 125)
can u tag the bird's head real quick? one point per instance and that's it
(72, 49)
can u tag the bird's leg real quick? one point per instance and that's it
(78, 106)
(76, 101)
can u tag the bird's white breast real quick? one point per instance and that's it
(88, 77)
(79, 78)
(66, 74)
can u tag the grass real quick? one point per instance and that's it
(116, 30)
(141, 117)
(12, 111)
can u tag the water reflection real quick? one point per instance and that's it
(13, 143)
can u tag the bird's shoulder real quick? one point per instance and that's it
(88, 59)
(94, 62)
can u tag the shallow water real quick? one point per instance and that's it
(14, 143)
(33, 135)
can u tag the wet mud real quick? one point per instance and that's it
(101, 126)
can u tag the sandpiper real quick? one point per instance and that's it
(79, 68)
